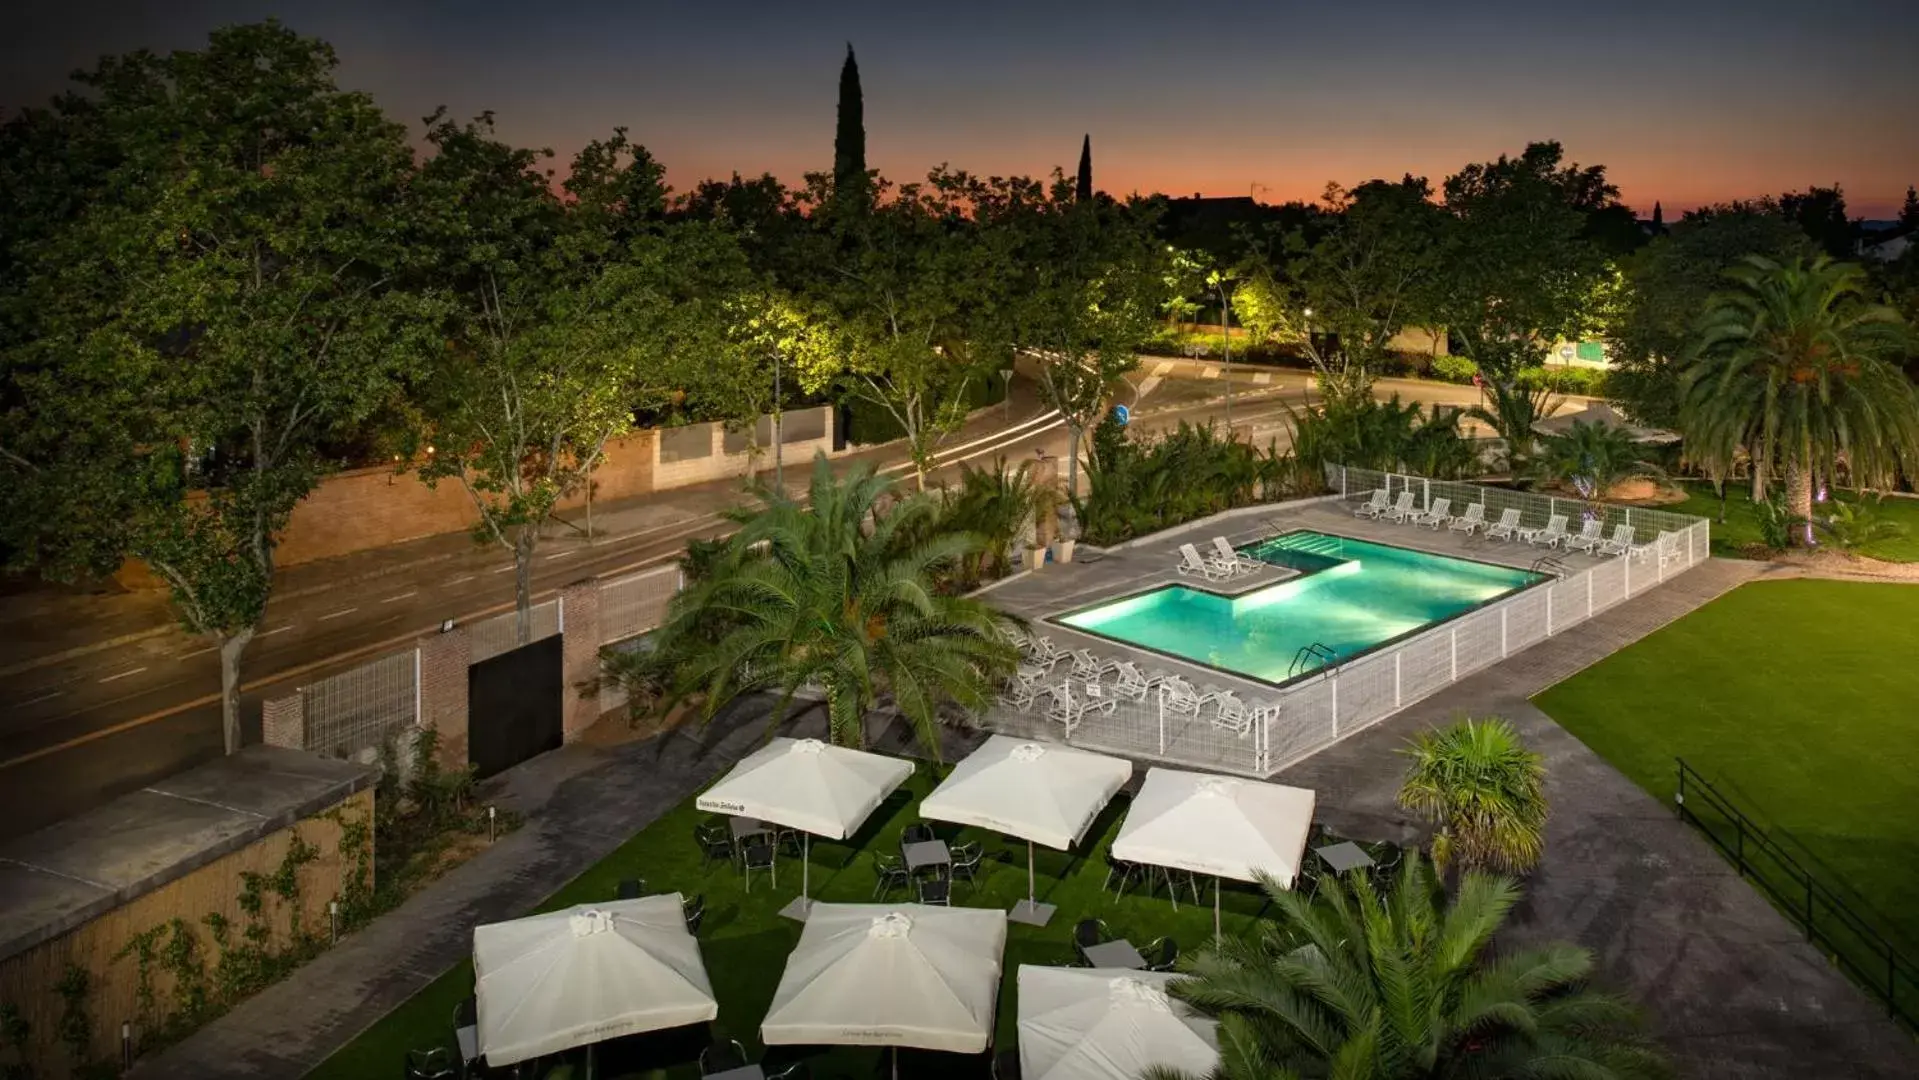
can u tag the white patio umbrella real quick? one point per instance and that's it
(1040, 792)
(1085, 1024)
(549, 982)
(808, 785)
(891, 975)
(1217, 825)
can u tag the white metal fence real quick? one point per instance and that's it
(1310, 715)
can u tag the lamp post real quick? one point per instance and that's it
(1312, 354)
(779, 435)
(1225, 347)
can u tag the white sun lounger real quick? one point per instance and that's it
(1473, 518)
(1246, 564)
(1191, 562)
(1069, 709)
(1232, 714)
(1439, 514)
(1587, 539)
(1621, 542)
(1401, 509)
(1551, 535)
(1091, 668)
(1374, 506)
(1131, 683)
(1505, 527)
(1177, 696)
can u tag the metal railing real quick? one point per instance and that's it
(1852, 943)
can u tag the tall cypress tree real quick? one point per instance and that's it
(1084, 190)
(849, 139)
(1658, 219)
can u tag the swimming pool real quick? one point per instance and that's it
(1351, 597)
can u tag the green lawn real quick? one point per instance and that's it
(1800, 701)
(745, 942)
(1741, 526)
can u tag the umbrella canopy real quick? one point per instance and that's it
(1082, 1024)
(550, 982)
(809, 785)
(891, 975)
(1603, 415)
(1041, 792)
(1217, 825)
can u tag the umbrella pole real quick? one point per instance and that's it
(1216, 909)
(1032, 883)
(806, 869)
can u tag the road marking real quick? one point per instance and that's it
(562, 554)
(277, 630)
(1211, 372)
(196, 652)
(461, 580)
(337, 614)
(1262, 378)
(36, 700)
(124, 674)
(402, 596)
(505, 569)
(1148, 385)
(1163, 369)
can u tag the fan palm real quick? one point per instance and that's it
(1512, 409)
(1796, 366)
(1484, 792)
(836, 596)
(1356, 983)
(1593, 458)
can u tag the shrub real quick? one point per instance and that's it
(1456, 369)
(1561, 379)
(1134, 488)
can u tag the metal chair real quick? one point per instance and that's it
(693, 910)
(631, 889)
(936, 890)
(966, 861)
(891, 870)
(723, 1055)
(434, 1064)
(789, 842)
(716, 842)
(1161, 954)
(1122, 870)
(797, 1070)
(1090, 932)
(916, 834)
(759, 857)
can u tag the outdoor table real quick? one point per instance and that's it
(1114, 954)
(926, 853)
(1345, 856)
(744, 827)
(744, 1072)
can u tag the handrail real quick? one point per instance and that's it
(1866, 945)
(1551, 564)
(1325, 654)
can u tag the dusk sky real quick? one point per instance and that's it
(1684, 101)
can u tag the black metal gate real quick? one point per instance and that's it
(514, 706)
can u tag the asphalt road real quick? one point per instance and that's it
(137, 699)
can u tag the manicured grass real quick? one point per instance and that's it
(1741, 527)
(1797, 699)
(745, 942)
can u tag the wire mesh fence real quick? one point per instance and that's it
(500, 634)
(1305, 717)
(357, 710)
(637, 603)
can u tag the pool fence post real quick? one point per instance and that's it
(1552, 507)
(1589, 594)
(1426, 500)
(1162, 723)
(1455, 637)
(1342, 481)
(1502, 633)
(1396, 658)
(1626, 561)
(1549, 611)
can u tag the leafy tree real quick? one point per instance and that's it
(1483, 791)
(836, 594)
(215, 302)
(1083, 187)
(1909, 210)
(1088, 280)
(1794, 364)
(1821, 214)
(1667, 284)
(916, 292)
(850, 182)
(1354, 983)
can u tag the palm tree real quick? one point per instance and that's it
(1795, 365)
(836, 595)
(1353, 983)
(1512, 409)
(1484, 792)
(1593, 458)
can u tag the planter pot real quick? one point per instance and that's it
(1035, 558)
(1063, 551)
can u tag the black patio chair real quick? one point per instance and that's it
(1091, 932)
(723, 1055)
(916, 834)
(797, 1070)
(1161, 954)
(715, 840)
(434, 1064)
(891, 870)
(759, 856)
(936, 890)
(693, 910)
(631, 889)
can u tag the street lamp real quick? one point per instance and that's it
(779, 435)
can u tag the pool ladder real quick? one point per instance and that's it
(1323, 653)
(1551, 564)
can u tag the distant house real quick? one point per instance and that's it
(1886, 246)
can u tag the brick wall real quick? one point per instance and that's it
(443, 664)
(580, 656)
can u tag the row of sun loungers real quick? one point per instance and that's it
(1589, 539)
(1222, 563)
(1096, 685)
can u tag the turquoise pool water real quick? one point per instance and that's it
(1352, 596)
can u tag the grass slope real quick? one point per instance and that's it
(1797, 699)
(745, 942)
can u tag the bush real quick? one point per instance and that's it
(1135, 488)
(1562, 379)
(868, 423)
(1370, 434)
(1455, 369)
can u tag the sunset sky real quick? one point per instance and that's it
(1685, 101)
